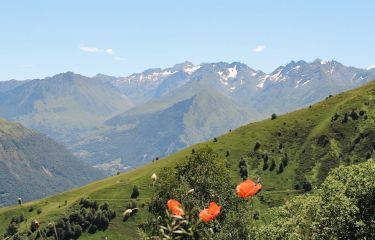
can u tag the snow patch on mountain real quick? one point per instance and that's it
(296, 67)
(191, 69)
(232, 72)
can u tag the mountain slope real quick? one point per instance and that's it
(315, 140)
(9, 85)
(135, 139)
(63, 105)
(300, 84)
(34, 166)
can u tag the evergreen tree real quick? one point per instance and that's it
(227, 154)
(257, 146)
(243, 172)
(273, 165)
(135, 192)
(265, 164)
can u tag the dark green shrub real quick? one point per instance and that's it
(354, 115)
(256, 215)
(345, 118)
(284, 161)
(273, 165)
(105, 206)
(306, 186)
(242, 163)
(257, 146)
(77, 231)
(11, 229)
(281, 168)
(92, 229)
(243, 172)
(265, 164)
(273, 116)
(135, 192)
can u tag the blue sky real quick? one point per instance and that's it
(43, 38)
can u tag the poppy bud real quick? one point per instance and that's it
(127, 213)
(154, 178)
(35, 223)
(191, 191)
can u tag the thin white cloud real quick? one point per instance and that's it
(96, 50)
(109, 51)
(370, 67)
(259, 48)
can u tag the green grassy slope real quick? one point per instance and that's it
(313, 142)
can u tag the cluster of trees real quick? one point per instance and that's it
(91, 217)
(283, 163)
(13, 226)
(342, 208)
(354, 115)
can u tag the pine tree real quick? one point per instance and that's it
(281, 168)
(135, 192)
(273, 165)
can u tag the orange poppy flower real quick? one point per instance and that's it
(248, 189)
(175, 207)
(210, 213)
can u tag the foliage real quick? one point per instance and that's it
(342, 208)
(135, 192)
(90, 217)
(210, 178)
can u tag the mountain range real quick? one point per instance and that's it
(122, 122)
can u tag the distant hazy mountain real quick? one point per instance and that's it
(300, 83)
(135, 139)
(9, 85)
(62, 106)
(189, 103)
(34, 166)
